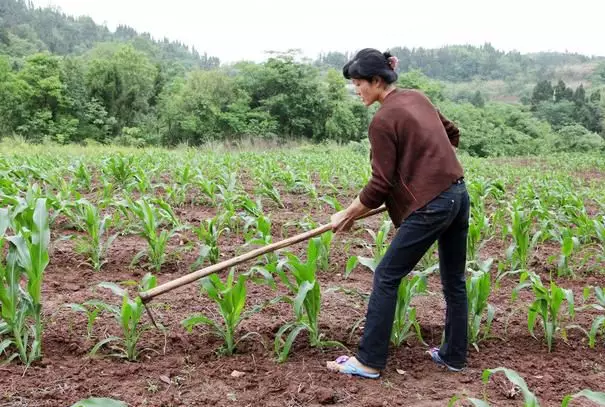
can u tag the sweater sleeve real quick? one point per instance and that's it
(450, 128)
(384, 165)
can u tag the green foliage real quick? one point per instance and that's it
(415, 79)
(405, 314)
(306, 301)
(27, 258)
(478, 288)
(530, 399)
(547, 306)
(96, 242)
(128, 316)
(99, 402)
(230, 297)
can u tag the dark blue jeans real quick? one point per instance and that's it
(445, 219)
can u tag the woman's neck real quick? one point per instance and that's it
(383, 95)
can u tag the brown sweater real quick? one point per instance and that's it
(411, 154)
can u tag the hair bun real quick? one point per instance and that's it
(387, 54)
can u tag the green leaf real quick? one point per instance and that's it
(105, 341)
(597, 397)
(303, 290)
(100, 402)
(478, 402)
(513, 377)
(116, 289)
(283, 354)
(351, 264)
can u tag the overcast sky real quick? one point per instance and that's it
(244, 29)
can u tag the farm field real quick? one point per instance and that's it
(114, 221)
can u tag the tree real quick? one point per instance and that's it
(122, 79)
(542, 92)
(577, 138)
(477, 99)
(417, 80)
(562, 92)
(579, 95)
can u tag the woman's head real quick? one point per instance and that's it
(371, 71)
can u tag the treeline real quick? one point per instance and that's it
(90, 85)
(462, 63)
(117, 94)
(26, 29)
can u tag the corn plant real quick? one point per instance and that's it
(99, 402)
(96, 242)
(379, 249)
(478, 288)
(230, 298)
(405, 314)
(268, 189)
(82, 175)
(569, 242)
(150, 218)
(530, 399)
(21, 311)
(598, 325)
(92, 309)
(306, 301)
(128, 316)
(547, 306)
(522, 241)
(209, 188)
(208, 232)
(120, 168)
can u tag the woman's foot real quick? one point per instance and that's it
(350, 365)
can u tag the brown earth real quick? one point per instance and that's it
(184, 369)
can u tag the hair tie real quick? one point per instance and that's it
(393, 62)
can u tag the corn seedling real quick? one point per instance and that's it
(547, 306)
(268, 189)
(95, 243)
(530, 399)
(230, 298)
(523, 242)
(208, 233)
(120, 169)
(128, 316)
(405, 314)
(92, 309)
(306, 302)
(598, 324)
(569, 243)
(478, 288)
(27, 258)
(150, 218)
(82, 175)
(378, 250)
(100, 402)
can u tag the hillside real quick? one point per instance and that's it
(26, 29)
(68, 80)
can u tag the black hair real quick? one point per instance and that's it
(368, 64)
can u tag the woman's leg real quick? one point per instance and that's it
(452, 265)
(414, 238)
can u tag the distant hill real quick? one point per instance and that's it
(26, 29)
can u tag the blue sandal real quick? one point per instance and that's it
(434, 352)
(353, 370)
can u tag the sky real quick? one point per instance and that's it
(244, 29)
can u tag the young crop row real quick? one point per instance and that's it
(100, 199)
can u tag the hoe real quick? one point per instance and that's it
(146, 296)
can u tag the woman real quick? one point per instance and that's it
(416, 174)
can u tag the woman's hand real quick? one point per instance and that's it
(342, 221)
